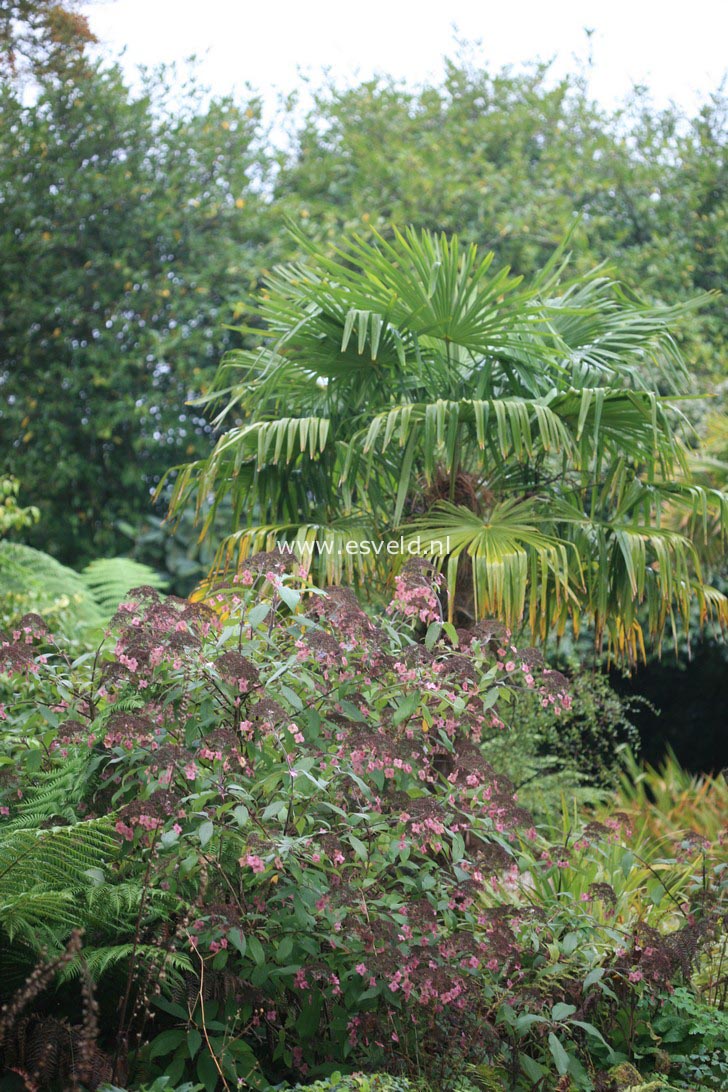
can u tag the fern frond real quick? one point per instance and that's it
(31, 580)
(118, 903)
(100, 960)
(54, 795)
(54, 864)
(39, 916)
(109, 579)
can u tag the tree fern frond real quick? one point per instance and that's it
(109, 579)
(33, 581)
(54, 794)
(61, 856)
(38, 916)
(100, 960)
(111, 901)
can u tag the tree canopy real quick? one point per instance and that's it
(126, 235)
(43, 38)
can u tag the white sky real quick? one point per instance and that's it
(679, 50)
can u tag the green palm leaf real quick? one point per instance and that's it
(385, 375)
(511, 557)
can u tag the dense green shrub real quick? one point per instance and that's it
(577, 754)
(337, 1082)
(309, 865)
(359, 1082)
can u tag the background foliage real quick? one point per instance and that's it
(128, 228)
(133, 226)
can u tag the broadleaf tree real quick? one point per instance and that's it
(127, 230)
(43, 38)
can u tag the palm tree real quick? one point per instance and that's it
(527, 437)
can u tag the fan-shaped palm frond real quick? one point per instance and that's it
(509, 555)
(388, 371)
(342, 550)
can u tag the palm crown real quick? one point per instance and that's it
(528, 438)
